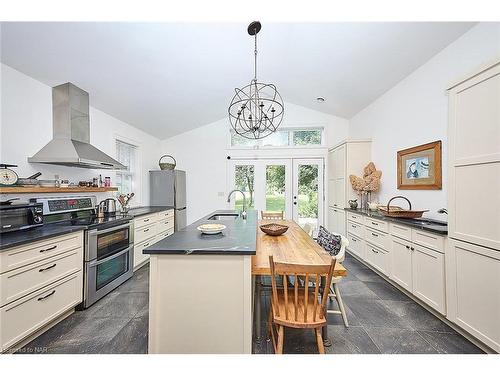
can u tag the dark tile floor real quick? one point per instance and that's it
(381, 319)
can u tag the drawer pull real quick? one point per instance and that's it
(50, 248)
(354, 226)
(412, 248)
(146, 230)
(47, 268)
(374, 223)
(47, 296)
(375, 251)
(353, 240)
(146, 220)
(146, 244)
(374, 234)
(408, 247)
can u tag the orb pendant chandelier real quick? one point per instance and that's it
(257, 109)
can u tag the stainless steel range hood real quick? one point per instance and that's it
(70, 145)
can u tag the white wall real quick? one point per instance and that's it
(203, 152)
(414, 112)
(26, 127)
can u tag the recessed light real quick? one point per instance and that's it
(320, 99)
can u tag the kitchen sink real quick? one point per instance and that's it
(229, 216)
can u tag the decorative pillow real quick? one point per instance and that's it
(329, 241)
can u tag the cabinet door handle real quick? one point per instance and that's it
(376, 252)
(48, 249)
(408, 247)
(47, 296)
(374, 234)
(412, 248)
(47, 268)
(146, 230)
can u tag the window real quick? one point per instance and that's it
(281, 138)
(127, 155)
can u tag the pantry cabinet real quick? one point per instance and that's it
(336, 221)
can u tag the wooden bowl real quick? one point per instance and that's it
(274, 229)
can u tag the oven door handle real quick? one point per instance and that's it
(97, 262)
(97, 232)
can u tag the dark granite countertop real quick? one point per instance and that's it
(145, 210)
(430, 225)
(239, 238)
(8, 240)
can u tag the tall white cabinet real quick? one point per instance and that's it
(473, 254)
(348, 157)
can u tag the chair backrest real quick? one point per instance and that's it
(272, 215)
(308, 229)
(286, 270)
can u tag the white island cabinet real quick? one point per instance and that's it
(200, 287)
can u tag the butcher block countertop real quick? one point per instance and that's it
(295, 246)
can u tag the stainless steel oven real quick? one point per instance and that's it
(109, 257)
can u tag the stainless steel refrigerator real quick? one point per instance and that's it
(168, 188)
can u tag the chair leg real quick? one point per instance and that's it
(319, 340)
(341, 304)
(281, 334)
(270, 328)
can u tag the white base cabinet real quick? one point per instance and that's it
(149, 229)
(401, 270)
(336, 220)
(473, 290)
(39, 283)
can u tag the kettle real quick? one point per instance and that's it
(109, 206)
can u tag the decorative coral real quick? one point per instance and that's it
(370, 181)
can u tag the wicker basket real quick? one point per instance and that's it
(273, 229)
(395, 211)
(167, 166)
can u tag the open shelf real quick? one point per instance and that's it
(40, 189)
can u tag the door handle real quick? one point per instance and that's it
(47, 296)
(295, 203)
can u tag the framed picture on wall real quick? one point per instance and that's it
(419, 168)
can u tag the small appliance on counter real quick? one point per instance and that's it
(16, 216)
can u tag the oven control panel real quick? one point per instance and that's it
(67, 204)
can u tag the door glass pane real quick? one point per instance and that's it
(244, 181)
(308, 195)
(275, 188)
(110, 270)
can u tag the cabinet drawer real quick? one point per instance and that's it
(380, 225)
(22, 281)
(39, 251)
(145, 220)
(356, 229)
(378, 258)
(139, 256)
(357, 218)
(401, 231)
(23, 317)
(166, 214)
(164, 224)
(377, 238)
(430, 240)
(165, 234)
(356, 246)
(144, 233)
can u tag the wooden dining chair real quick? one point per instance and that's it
(272, 215)
(296, 306)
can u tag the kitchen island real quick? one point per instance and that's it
(201, 288)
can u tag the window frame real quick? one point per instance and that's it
(291, 131)
(134, 173)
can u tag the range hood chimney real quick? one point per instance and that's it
(70, 145)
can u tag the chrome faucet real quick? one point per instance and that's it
(443, 211)
(244, 212)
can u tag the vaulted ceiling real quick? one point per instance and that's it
(167, 78)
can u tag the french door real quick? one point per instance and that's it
(294, 186)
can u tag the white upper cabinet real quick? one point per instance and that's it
(474, 159)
